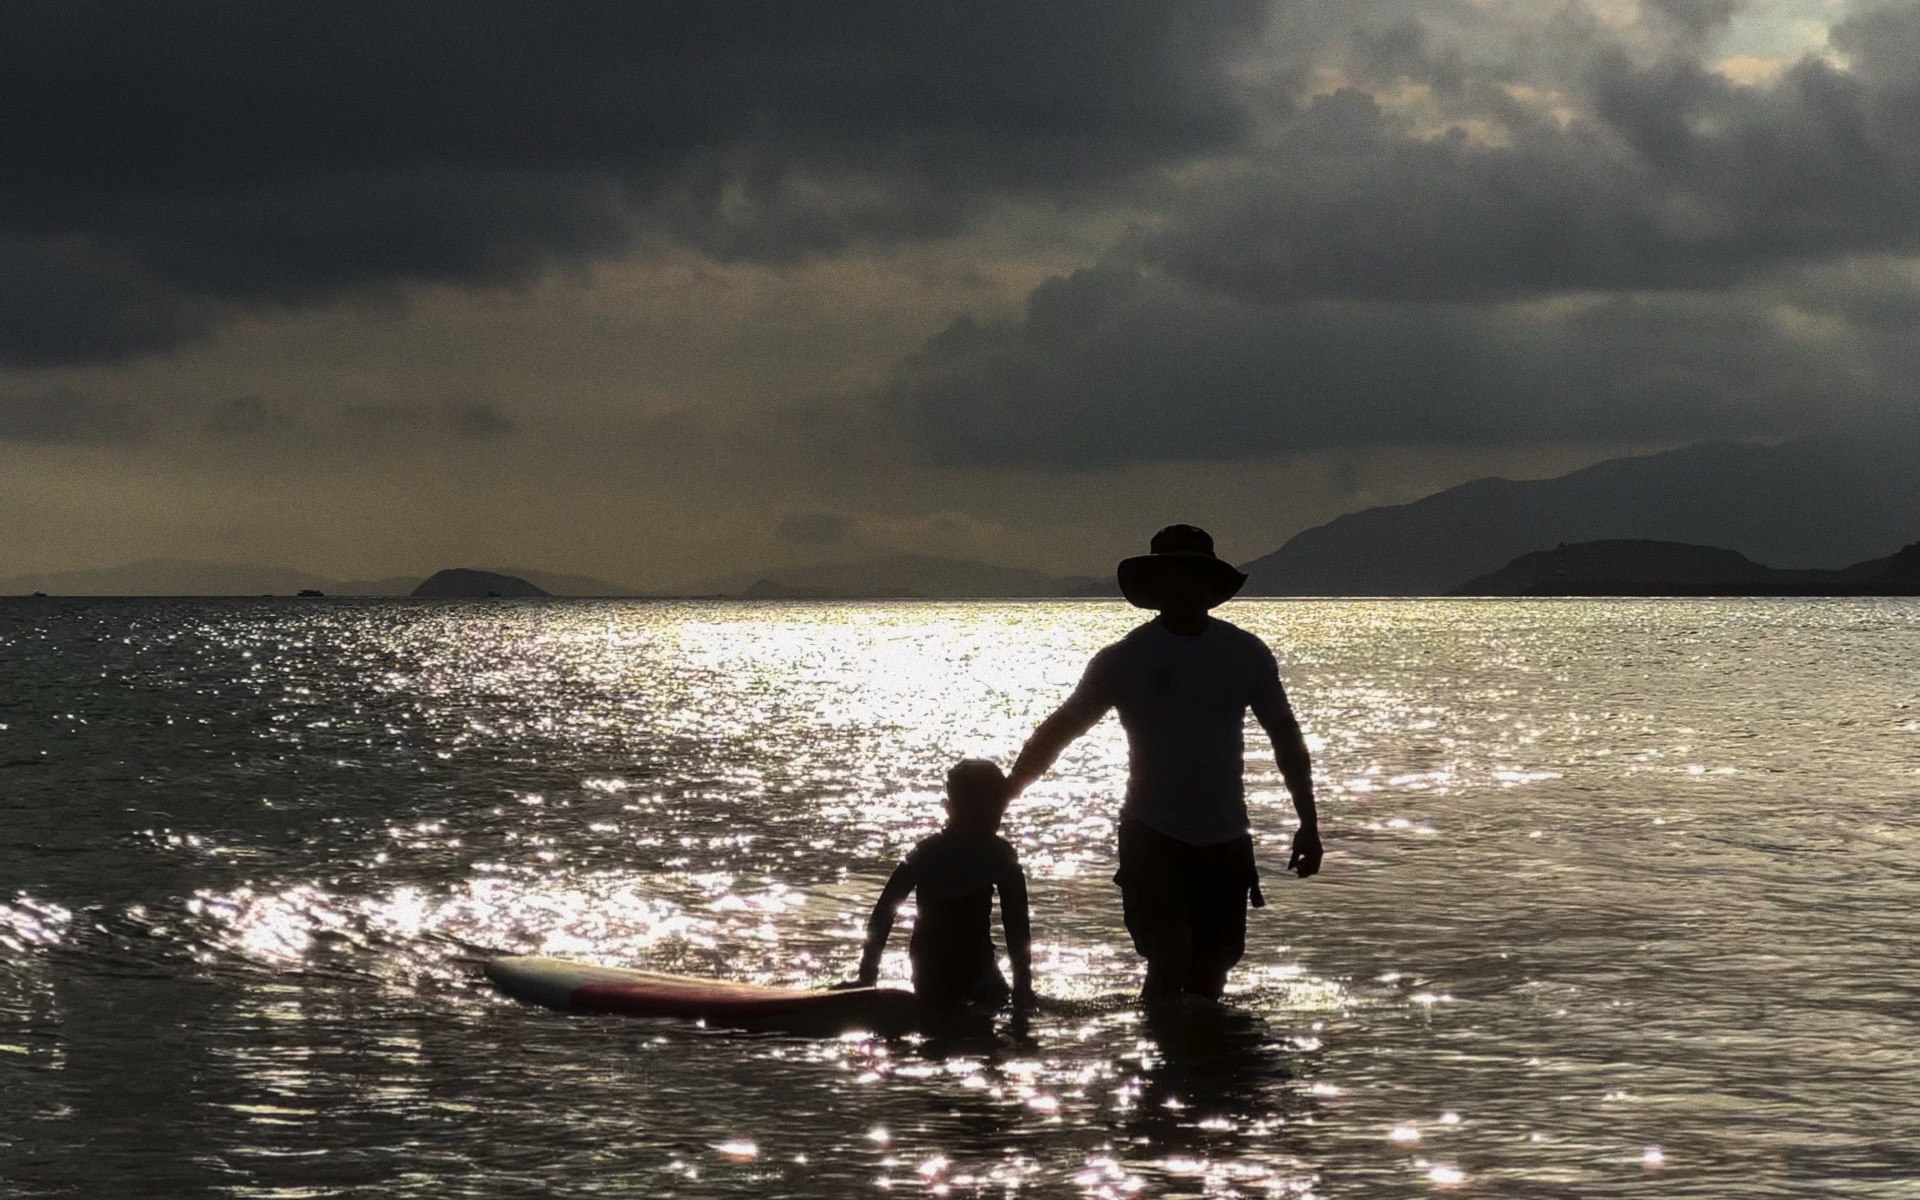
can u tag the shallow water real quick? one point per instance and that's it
(1618, 902)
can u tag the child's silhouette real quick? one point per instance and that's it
(955, 873)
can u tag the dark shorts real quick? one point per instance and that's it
(1164, 881)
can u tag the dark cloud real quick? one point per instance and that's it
(1442, 253)
(167, 166)
(63, 298)
(1506, 227)
(1113, 366)
(60, 415)
(1668, 176)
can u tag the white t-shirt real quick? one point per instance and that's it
(1183, 702)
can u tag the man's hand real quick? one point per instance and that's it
(1306, 852)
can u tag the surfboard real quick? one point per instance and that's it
(582, 987)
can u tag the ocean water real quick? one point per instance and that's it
(1620, 900)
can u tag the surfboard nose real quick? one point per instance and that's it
(536, 978)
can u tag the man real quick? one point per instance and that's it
(1183, 683)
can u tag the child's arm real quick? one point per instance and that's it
(880, 924)
(1013, 913)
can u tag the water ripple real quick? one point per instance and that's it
(1616, 903)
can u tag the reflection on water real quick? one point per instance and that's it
(1617, 903)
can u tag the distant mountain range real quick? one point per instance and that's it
(1642, 568)
(1813, 502)
(187, 577)
(903, 575)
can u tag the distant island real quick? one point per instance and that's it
(1638, 567)
(466, 583)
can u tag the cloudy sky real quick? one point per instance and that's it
(663, 291)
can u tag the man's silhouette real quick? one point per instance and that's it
(1183, 683)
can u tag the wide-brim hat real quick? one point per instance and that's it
(1177, 548)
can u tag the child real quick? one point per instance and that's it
(955, 872)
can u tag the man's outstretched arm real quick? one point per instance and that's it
(1296, 767)
(1054, 734)
(1082, 710)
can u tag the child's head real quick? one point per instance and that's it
(976, 794)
